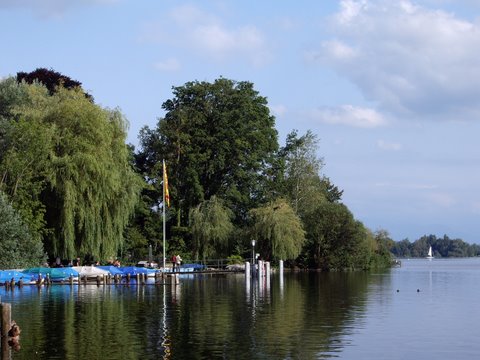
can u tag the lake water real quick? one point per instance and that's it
(298, 316)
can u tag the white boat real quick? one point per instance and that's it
(430, 256)
(91, 272)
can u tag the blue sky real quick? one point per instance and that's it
(391, 88)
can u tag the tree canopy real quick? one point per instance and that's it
(218, 139)
(66, 168)
(51, 79)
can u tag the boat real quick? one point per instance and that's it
(55, 274)
(90, 272)
(16, 276)
(135, 270)
(113, 270)
(430, 256)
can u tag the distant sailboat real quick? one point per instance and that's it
(430, 256)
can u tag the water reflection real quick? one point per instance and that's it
(304, 315)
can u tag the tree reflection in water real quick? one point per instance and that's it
(302, 315)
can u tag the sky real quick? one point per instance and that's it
(391, 88)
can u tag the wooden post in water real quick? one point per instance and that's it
(6, 318)
(247, 270)
(6, 309)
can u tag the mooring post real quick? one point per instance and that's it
(247, 270)
(6, 321)
(6, 318)
(267, 269)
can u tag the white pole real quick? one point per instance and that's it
(163, 206)
(260, 268)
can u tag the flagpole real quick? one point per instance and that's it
(163, 207)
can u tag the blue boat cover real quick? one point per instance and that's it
(53, 273)
(8, 275)
(133, 270)
(112, 269)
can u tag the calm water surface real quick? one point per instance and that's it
(297, 316)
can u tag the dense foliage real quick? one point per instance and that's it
(18, 248)
(211, 228)
(218, 139)
(51, 79)
(279, 231)
(65, 167)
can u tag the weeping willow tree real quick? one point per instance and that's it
(82, 173)
(211, 227)
(278, 230)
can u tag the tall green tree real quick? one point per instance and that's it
(279, 231)
(18, 248)
(302, 183)
(69, 155)
(218, 139)
(335, 240)
(211, 228)
(302, 169)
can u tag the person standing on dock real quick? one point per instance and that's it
(178, 259)
(174, 262)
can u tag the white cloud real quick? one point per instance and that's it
(390, 146)
(169, 65)
(410, 60)
(339, 51)
(188, 27)
(349, 115)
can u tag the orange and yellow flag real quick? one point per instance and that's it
(165, 185)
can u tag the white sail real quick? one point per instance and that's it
(430, 256)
